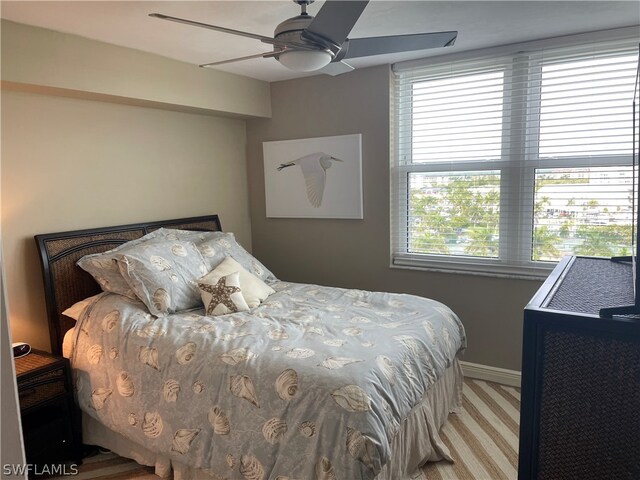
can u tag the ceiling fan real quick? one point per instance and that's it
(305, 43)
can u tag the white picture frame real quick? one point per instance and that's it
(314, 177)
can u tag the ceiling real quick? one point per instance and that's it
(480, 24)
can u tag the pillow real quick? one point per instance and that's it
(215, 246)
(163, 275)
(224, 296)
(103, 267)
(254, 290)
(75, 310)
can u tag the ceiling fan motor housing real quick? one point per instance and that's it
(291, 31)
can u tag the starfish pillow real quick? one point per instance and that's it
(224, 296)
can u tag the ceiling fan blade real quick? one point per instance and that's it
(211, 27)
(336, 68)
(365, 47)
(248, 57)
(262, 38)
(334, 21)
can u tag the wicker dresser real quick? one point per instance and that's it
(580, 413)
(50, 420)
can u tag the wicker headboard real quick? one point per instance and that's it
(65, 283)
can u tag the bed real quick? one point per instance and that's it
(313, 383)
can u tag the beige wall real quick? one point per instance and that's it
(42, 60)
(355, 253)
(69, 164)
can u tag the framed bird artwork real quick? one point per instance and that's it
(314, 177)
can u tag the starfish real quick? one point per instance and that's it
(220, 294)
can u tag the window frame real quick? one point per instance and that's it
(517, 175)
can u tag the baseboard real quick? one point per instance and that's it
(491, 374)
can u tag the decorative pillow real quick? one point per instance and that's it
(103, 267)
(215, 246)
(224, 296)
(254, 290)
(163, 275)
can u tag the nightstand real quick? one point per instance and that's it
(50, 419)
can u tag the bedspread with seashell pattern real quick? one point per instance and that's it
(312, 384)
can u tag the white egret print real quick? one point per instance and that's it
(314, 177)
(314, 170)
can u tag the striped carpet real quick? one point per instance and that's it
(483, 440)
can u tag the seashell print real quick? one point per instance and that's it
(203, 270)
(251, 468)
(198, 387)
(185, 353)
(99, 397)
(183, 439)
(333, 363)
(352, 331)
(151, 331)
(287, 384)
(360, 320)
(231, 460)
(179, 250)
(334, 342)
(360, 447)
(324, 469)
(446, 339)
(307, 429)
(273, 304)
(315, 330)
(393, 324)
(300, 353)
(94, 353)
(354, 293)
(277, 348)
(174, 278)
(256, 268)
(352, 398)
(237, 356)
(431, 332)
(105, 263)
(152, 425)
(273, 430)
(160, 263)
(132, 419)
(224, 243)
(110, 320)
(207, 251)
(113, 353)
(237, 322)
(278, 334)
(386, 366)
(171, 390)
(149, 356)
(171, 236)
(219, 421)
(124, 383)
(161, 300)
(411, 343)
(395, 303)
(368, 344)
(242, 387)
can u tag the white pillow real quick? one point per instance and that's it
(254, 290)
(224, 296)
(75, 310)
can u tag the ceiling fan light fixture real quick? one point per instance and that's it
(305, 60)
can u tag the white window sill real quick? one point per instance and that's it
(472, 266)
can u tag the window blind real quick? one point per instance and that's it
(507, 163)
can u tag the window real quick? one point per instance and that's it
(506, 164)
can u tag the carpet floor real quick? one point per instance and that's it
(483, 440)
